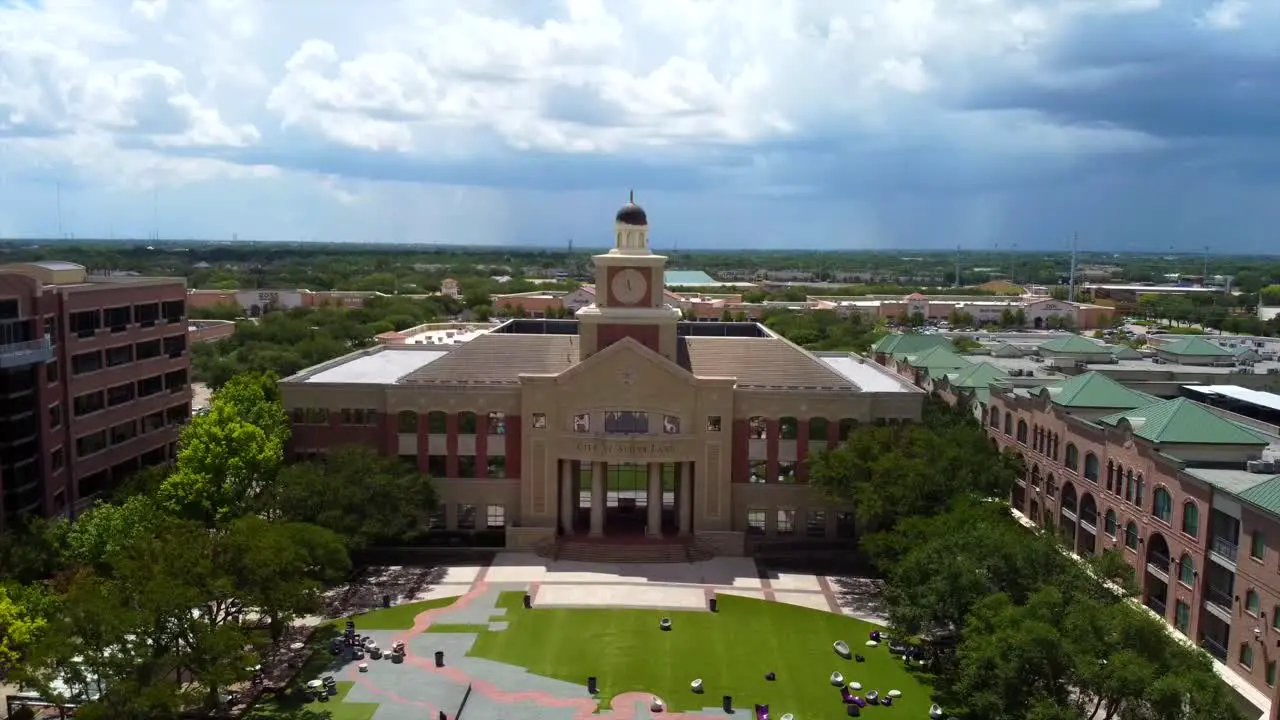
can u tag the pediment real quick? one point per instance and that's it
(626, 364)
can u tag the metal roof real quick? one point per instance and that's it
(1271, 401)
(57, 265)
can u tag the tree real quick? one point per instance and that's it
(19, 627)
(891, 472)
(224, 463)
(356, 493)
(105, 529)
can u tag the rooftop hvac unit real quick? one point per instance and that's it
(1266, 466)
(1253, 466)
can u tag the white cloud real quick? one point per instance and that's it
(198, 91)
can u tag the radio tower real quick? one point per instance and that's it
(1075, 241)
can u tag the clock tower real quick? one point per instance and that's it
(629, 292)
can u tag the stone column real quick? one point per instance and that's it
(685, 502)
(597, 498)
(566, 496)
(654, 505)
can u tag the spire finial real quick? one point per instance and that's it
(631, 196)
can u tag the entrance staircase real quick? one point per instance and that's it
(626, 549)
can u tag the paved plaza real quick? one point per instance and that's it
(416, 688)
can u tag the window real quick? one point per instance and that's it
(1131, 535)
(755, 522)
(1257, 545)
(57, 459)
(437, 423)
(713, 423)
(819, 429)
(51, 372)
(758, 472)
(1252, 603)
(90, 402)
(1191, 519)
(1022, 431)
(1111, 523)
(496, 517)
(1246, 655)
(1090, 467)
(539, 421)
(1271, 673)
(437, 519)
(788, 428)
(1162, 505)
(1187, 571)
(86, 362)
(995, 418)
(1073, 457)
(1128, 487)
(1008, 423)
(497, 422)
(626, 422)
(407, 421)
(786, 521)
(1138, 490)
(816, 523)
(787, 472)
(466, 516)
(466, 423)
(55, 417)
(1182, 616)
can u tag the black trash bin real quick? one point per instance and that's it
(711, 604)
(727, 703)
(592, 688)
(386, 601)
(439, 658)
(528, 601)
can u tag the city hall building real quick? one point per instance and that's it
(624, 421)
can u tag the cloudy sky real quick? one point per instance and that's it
(1139, 124)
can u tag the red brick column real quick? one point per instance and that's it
(802, 450)
(451, 445)
(771, 431)
(482, 445)
(833, 433)
(424, 443)
(741, 450)
(390, 434)
(515, 430)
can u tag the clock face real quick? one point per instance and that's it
(629, 286)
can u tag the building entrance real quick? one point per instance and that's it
(639, 499)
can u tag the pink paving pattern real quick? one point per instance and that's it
(624, 705)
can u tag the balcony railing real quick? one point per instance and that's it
(1223, 547)
(1157, 605)
(29, 352)
(1218, 596)
(1159, 561)
(1215, 648)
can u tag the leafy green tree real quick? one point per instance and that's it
(19, 627)
(355, 492)
(100, 533)
(224, 462)
(891, 472)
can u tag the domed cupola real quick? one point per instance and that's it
(632, 214)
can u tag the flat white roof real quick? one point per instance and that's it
(382, 367)
(865, 374)
(445, 337)
(1267, 400)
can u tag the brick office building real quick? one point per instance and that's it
(625, 420)
(93, 383)
(1180, 489)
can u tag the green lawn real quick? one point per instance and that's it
(396, 617)
(730, 650)
(292, 708)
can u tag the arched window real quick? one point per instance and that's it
(466, 423)
(1051, 486)
(1129, 486)
(1111, 475)
(818, 429)
(1035, 475)
(437, 423)
(788, 428)
(1111, 524)
(995, 418)
(1091, 467)
(1008, 423)
(1191, 519)
(407, 421)
(1139, 487)
(1162, 505)
(1252, 603)
(1131, 535)
(846, 428)
(1022, 431)
(1187, 571)
(1073, 458)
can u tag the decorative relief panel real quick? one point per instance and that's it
(538, 483)
(712, 477)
